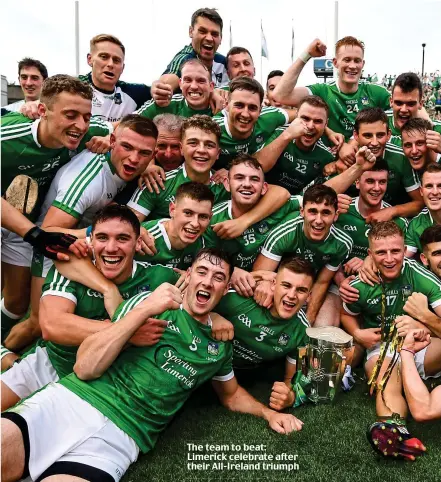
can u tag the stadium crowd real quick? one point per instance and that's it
(158, 237)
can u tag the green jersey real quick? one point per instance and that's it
(177, 106)
(245, 248)
(413, 277)
(258, 335)
(416, 228)
(166, 255)
(296, 168)
(269, 119)
(354, 225)
(90, 304)
(396, 133)
(23, 154)
(343, 108)
(156, 206)
(146, 386)
(289, 237)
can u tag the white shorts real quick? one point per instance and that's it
(419, 359)
(64, 428)
(15, 251)
(31, 373)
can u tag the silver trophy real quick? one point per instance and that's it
(323, 361)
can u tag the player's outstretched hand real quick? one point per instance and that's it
(433, 141)
(243, 282)
(221, 329)
(283, 423)
(219, 176)
(153, 178)
(281, 396)
(30, 109)
(348, 293)
(263, 294)
(417, 306)
(365, 158)
(218, 100)
(297, 128)
(347, 154)
(149, 333)
(368, 272)
(405, 324)
(161, 93)
(147, 243)
(316, 48)
(51, 245)
(99, 145)
(230, 229)
(416, 340)
(344, 201)
(353, 265)
(165, 297)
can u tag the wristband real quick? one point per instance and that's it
(304, 56)
(410, 351)
(32, 235)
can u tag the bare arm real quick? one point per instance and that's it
(318, 293)
(100, 350)
(265, 264)
(58, 218)
(60, 325)
(170, 79)
(14, 220)
(237, 399)
(417, 307)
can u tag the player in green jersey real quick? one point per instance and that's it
(380, 305)
(178, 239)
(245, 124)
(431, 249)
(406, 103)
(240, 63)
(312, 236)
(123, 400)
(345, 97)
(295, 156)
(431, 214)
(70, 311)
(38, 149)
(419, 151)
(372, 186)
(272, 80)
(168, 146)
(196, 86)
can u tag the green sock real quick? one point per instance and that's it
(8, 320)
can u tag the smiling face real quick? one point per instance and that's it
(405, 106)
(415, 148)
(208, 281)
(246, 185)
(372, 186)
(107, 62)
(66, 120)
(349, 63)
(168, 149)
(31, 82)
(200, 150)
(291, 291)
(131, 152)
(114, 243)
(196, 86)
(205, 37)
(374, 136)
(388, 256)
(190, 219)
(240, 65)
(431, 190)
(271, 85)
(318, 219)
(315, 119)
(243, 111)
(431, 258)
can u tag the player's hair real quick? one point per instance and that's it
(104, 37)
(216, 256)
(432, 234)
(235, 51)
(369, 116)
(123, 213)
(210, 13)
(432, 168)
(384, 229)
(274, 73)
(28, 62)
(196, 62)
(249, 84)
(170, 122)
(408, 82)
(297, 265)
(57, 84)
(349, 42)
(416, 124)
(195, 191)
(379, 165)
(141, 125)
(244, 158)
(202, 122)
(321, 193)
(314, 101)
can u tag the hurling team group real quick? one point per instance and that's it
(158, 237)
